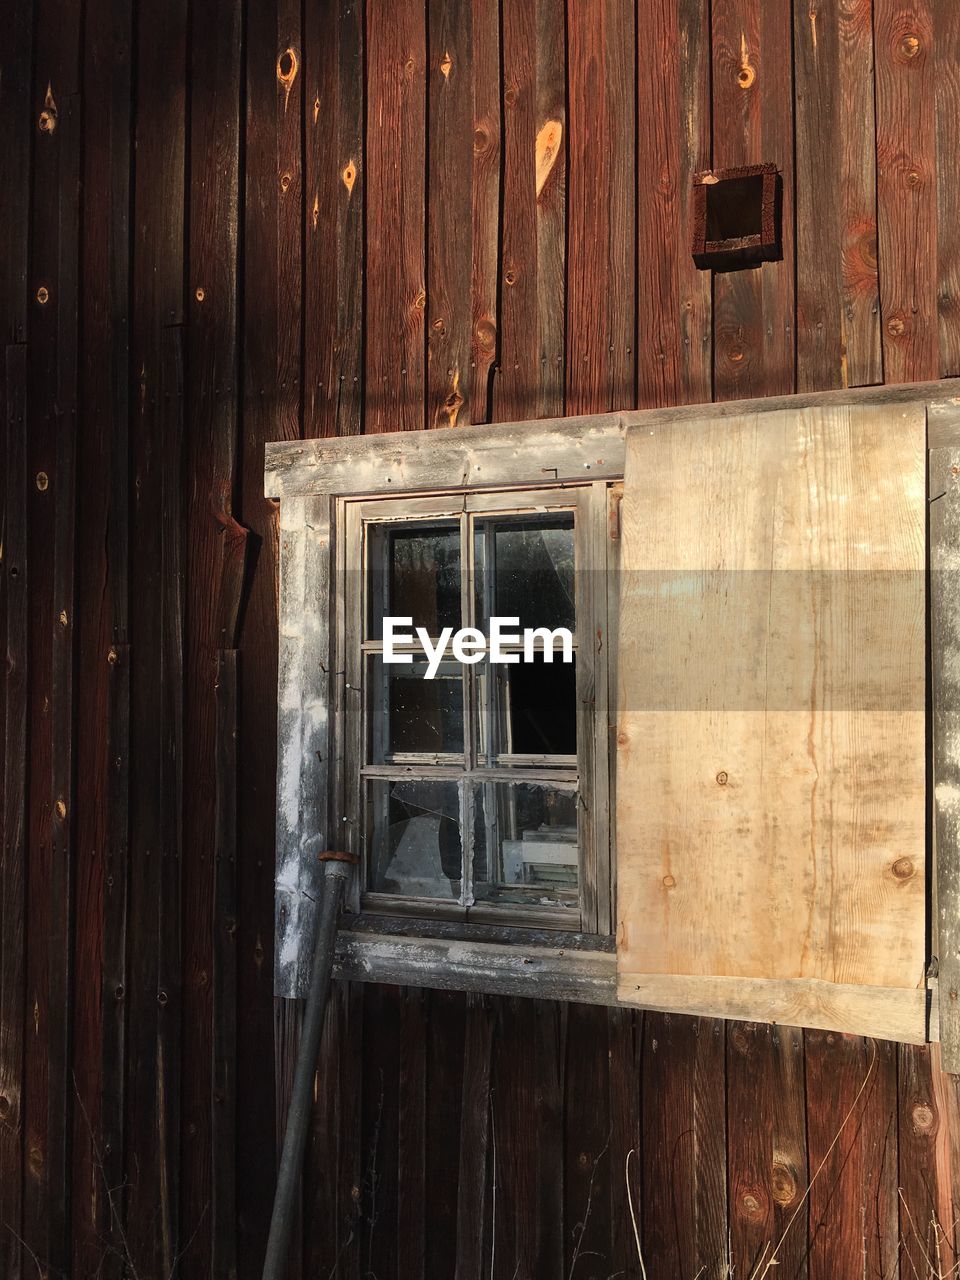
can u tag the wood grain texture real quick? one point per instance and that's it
(683, 1208)
(838, 304)
(535, 146)
(675, 299)
(753, 322)
(396, 203)
(947, 82)
(906, 191)
(486, 204)
(331, 81)
(449, 311)
(764, 539)
(601, 212)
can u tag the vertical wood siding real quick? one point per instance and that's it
(266, 219)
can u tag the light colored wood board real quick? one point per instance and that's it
(908, 1016)
(302, 733)
(543, 973)
(944, 491)
(526, 453)
(771, 736)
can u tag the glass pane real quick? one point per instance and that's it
(414, 573)
(413, 838)
(525, 844)
(524, 569)
(407, 714)
(530, 708)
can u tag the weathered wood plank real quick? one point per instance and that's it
(396, 203)
(601, 207)
(14, 849)
(151, 1179)
(674, 302)
(332, 82)
(588, 1175)
(753, 124)
(446, 1041)
(906, 188)
(918, 1133)
(947, 81)
(838, 304)
(516, 452)
(531, 373)
(868, 706)
(449, 311)
(944, 539)
(485, 205)
(683, 1210)
(412, 1103)
(223, 1176)
(474, 1140)
(16, 123)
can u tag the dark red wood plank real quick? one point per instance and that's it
(852, 1151)
(589, 1124)
(753, 124)
(412, 1103)
(946, 18)
(838, 304)
(16, 126)
(209, 565)
(513, 1141)
(601, 225)
(449, 212)
(919, 1137)
(626, 1044)
(906, 188)
(396, 203)
(445, 1070)
(474, 1140)
(152, 1165)
(14, 850)
(335, 183)
(531, 377)
(674, 301)
(684, 1169)
(485, 210)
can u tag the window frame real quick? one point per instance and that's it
(352, 518)
(314, 481)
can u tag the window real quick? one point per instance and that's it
(470, 795)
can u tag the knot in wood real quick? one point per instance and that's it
(349, 175)
(61, 810)
(669, 882)
(510, 277)
(746, 76)
(112, 657)
(47, 122)
(43, 481)
(910, 46)
(446, 65)
(480, 139)
(751, 1206)
(285, 180)
(784, 1184)
(896, 327)
(287, 66)
(903, 868)
(722, 778)
(913, 178)
(922, 1118)
(200, 294)
(43, 295)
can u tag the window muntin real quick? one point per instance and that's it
(518, 841)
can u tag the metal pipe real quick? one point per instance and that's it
(336, 874)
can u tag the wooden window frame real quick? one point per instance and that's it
(309, 478)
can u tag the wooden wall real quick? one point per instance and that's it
(232, 222)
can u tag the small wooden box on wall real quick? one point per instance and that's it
(737, 216)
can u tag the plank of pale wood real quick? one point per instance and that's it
(674, 301)
(449, 311)
(601, 207)
(754, 309)
(838, 305)
(946, 19)
(771, 769)
(906, 191)
(531, 370)
(396, 200)
(944, 535)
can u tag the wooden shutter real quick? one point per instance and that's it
(771, 770)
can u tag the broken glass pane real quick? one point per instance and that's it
(524, 569)
(525, 844)
(413, 837)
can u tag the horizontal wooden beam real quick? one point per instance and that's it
(551, 450)
(545, 973)
(908, 1015)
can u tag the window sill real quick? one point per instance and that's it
(582, 969)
